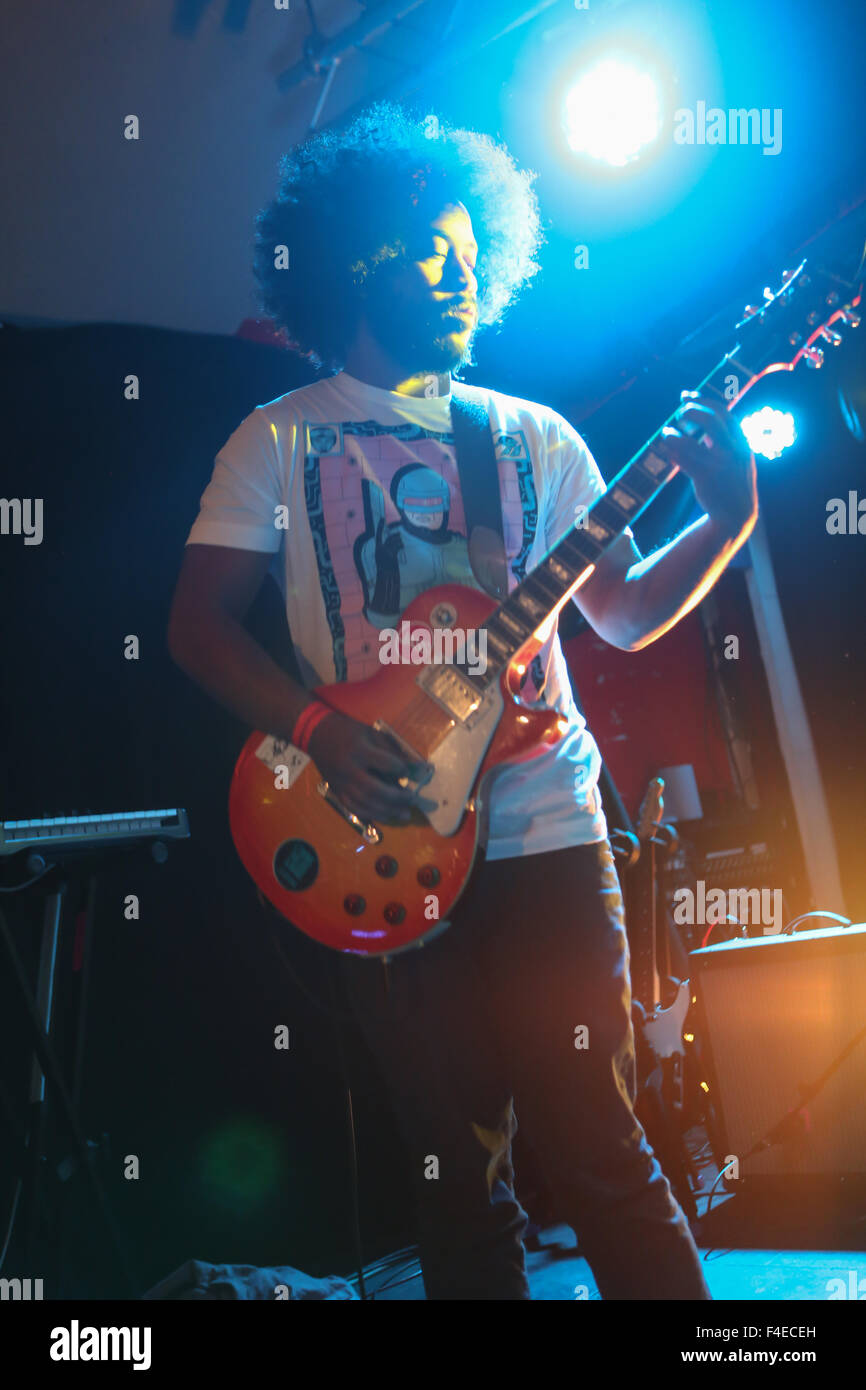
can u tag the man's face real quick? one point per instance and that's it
(424, 313)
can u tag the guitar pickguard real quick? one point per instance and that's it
(663, 1030)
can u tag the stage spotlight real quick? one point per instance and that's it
(612, 112)
(769, 432)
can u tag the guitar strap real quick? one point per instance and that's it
(479, 487)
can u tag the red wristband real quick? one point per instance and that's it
(308, 720)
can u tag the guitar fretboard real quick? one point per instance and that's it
(570, 562)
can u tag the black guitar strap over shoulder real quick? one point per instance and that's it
(479, 486)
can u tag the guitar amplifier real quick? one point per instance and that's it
(743, 867)
(783, 1032)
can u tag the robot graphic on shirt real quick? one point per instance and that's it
(398, 560)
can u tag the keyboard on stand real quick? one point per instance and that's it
(92, 831)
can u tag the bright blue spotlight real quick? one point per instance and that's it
(612, 112)
(769, 431)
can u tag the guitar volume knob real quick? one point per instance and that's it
(354, 904)
(394, 914)
(429, 876)
(386, 866)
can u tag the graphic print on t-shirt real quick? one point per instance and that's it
(398, 560)
(386, 516)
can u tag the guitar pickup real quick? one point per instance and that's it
(453, 692)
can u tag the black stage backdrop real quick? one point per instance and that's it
(242, 1148)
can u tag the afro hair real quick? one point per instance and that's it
(351, 199)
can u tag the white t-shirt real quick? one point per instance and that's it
(353, 464)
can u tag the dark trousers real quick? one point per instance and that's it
(524, 1005)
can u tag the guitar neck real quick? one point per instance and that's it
(777, 325)
(643, 929)
(571, 561)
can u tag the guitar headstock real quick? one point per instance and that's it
(652, 809)
(811, 310)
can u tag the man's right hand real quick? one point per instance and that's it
(207, 639)
(363, 767)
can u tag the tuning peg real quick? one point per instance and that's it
(831, 336)
(848, 316)
(814, 357)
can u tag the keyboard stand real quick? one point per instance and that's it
(45, 1067)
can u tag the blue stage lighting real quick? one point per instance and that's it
(612, 112)
(769, 432)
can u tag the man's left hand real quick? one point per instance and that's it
(711, 449)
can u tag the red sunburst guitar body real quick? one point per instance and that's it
(318, 868)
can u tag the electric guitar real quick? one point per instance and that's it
(663, 1024)
(658, 1024)
(378, 889)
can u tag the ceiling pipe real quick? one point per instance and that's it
(320, 54)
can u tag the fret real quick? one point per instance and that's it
(496, 638)
(747, 372)
(578, 549)
(562, 573)
(626, 497)
(610, 513)
(654, 465)
(540, 579)
(724, 372)
(501, 643)
(599, 527)
(496, 630)
(641, 485)
(516, 624)
(528, 621)
(531, 606)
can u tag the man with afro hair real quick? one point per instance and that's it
(389, 246)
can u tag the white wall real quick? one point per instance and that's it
(155, 231)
